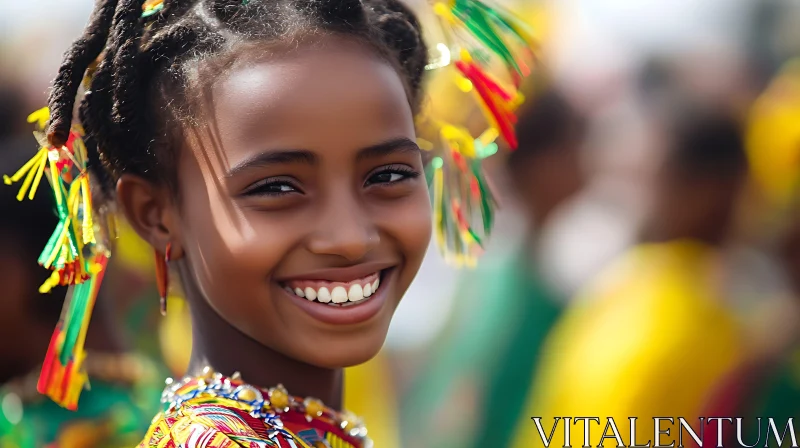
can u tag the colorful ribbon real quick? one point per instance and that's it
(483, 38)
(72, 253)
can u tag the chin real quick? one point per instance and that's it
(347, 352)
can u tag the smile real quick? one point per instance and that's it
(334, 293)
(342, 296)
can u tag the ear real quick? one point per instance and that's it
(151, 212)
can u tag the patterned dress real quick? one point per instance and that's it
(213, 411)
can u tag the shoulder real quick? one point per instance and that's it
(220, 424)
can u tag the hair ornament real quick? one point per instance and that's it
(73, 253)
(490, 52)
(152, 7)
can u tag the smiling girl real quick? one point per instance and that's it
(269, 149)
(266, 150)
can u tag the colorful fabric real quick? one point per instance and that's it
(110, 416)
(214, 411)
(650, 338)
(486, 362)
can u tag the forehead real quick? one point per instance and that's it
(323, 96)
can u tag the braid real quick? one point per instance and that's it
(169, 44)
(143, 80)
(127, 107)
(401, 31)
(349, 13)
(173, 9)
(77, 59)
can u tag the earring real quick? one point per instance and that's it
(162, 276)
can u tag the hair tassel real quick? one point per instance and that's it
(72, 253)
(477, 37)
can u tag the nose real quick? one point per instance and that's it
(344, 229)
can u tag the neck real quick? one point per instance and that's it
(225, 349)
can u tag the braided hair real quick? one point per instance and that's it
(150, 67)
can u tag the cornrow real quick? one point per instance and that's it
(401, 31)
(126, 66)
(149, 64)
(77, 59)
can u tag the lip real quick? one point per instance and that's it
(346, 315)
(343, 275)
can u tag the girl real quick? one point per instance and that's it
(266, 149)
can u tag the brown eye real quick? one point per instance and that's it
(272, 187)
(391, 175)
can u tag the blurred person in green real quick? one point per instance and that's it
(471, 391)
(652, 334)
(119, 406)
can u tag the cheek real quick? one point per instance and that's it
(245, 239)
(232, 252)
(408, 222)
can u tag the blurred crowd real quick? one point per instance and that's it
(646, 261)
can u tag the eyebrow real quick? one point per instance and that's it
(395, 145)
(279, 157)
(288, 156)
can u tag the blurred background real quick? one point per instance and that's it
(646, 259)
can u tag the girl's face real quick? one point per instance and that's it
(304, 214)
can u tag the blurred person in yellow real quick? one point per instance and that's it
(471, 391)
(774, 144)
(767, 383)
(652, 335)
(124, 387)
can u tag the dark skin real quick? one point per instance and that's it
(306, 167)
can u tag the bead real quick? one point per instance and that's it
(314, 407)
(247, 395)
(253, 401)
(350, 421)
(279, 397)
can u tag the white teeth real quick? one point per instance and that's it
(356, 293)
(339, 295)
(323, 295)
